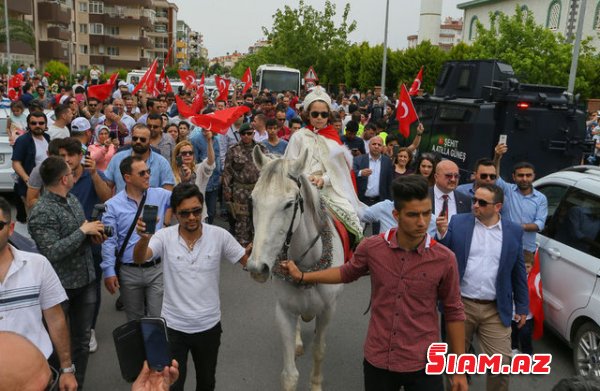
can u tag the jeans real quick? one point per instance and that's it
(521, 337)
(377, 379)
(211, 204)
(205, 349)
(97, 254)
(79, 310)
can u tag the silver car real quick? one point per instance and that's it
(569, 248)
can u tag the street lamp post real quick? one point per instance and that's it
(385, 34)
(7, 32)
(576, 47)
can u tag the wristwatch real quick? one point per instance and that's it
(70, 369)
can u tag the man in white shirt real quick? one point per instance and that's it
(30, 290)
(260, 125)
(59, 129)
(191, 268)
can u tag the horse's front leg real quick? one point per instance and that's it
(316, 377)
(299, 344)
(287, 326)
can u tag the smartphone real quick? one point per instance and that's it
(502, 139)
(179, 161)
(149, 215)
(112, 134)
(115, 110)
(129, 345)
(84, 153)
(156, 343)
(396, 149)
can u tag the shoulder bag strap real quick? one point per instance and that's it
(131, 228)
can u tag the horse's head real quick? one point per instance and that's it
(278, 201)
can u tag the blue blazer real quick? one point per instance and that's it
(511, 282)
(386, 175)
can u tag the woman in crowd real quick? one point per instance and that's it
(173, 131)
(103, 148)
(402, 162)
(426, 166)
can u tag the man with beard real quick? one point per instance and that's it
(161, 174)
(141, 285)
(29, 151)
(192, 252)
(165, 145)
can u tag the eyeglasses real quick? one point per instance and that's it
(92, 105)
(316, 114)
(482, 203)
(37, 123)
(282, 119)
(53, 381)
(144, 172)
(186, 213)
(247, 134)
(141, 139)
(186, 153)
(3, 224)
(451, 176)
(486, 176)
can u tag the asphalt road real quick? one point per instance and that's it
(250, 355)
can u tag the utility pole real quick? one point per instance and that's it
(7, 32)
(576, 47)
(385, 35)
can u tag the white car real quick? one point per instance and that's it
(569, 248)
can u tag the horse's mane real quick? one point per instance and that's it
(275, 175)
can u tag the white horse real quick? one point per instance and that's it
(288, 218)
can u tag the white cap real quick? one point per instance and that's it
(80, 125)
(122, 83)
(318, 94)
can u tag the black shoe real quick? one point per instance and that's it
(119, 304)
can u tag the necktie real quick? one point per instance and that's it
(444, 211)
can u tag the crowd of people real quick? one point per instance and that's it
(72, 153)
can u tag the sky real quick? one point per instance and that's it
(229, 25)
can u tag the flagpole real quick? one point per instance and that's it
(385, 35)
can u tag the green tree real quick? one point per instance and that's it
(56, 69)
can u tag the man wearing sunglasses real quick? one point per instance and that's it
(192, 253)
(446, 201)
(485, 174)
(489, 253)
(141, 285)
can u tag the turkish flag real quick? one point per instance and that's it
(168, 86)
(223, 87)
(151, 80)
(188, 78)
(16, 81)
(416, 85)
(247, 79)
(198, 102)
(536, 297)
(102, 91)
(162, 81)
(219, 121)
(183, 108)
(144, 78)
(405, 112)
(201, 86)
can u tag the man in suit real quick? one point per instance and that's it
(374, 173)
(445, 200)
(489, 252)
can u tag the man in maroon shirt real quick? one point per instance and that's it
(409, 273)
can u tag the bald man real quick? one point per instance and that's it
(374, 173)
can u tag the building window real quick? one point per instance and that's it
(83, 28)
(554, 15)
(83, 49)
(83, 6)
(96, 7)
(112, 51)
(597, 17)
(111, 30)
(96, 28)
(160, 28)
(473, 28)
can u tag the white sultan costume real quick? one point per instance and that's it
(332, 161)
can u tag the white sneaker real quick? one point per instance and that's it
(515, 352)
(93, 342)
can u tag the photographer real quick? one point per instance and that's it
(63, 235)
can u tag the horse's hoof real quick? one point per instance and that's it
(316, 387)
(299, 350)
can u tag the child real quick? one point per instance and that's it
(16, 123)
(522, 336)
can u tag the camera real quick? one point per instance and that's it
(97, 215)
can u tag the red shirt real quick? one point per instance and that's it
(284, 133)
(405, 289)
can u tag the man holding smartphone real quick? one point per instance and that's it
(192, 253)
(141, 285)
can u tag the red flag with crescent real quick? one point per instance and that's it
(102, 91)
(151, 80)
(183, 108)
(223, 87)
(219, 121)
(144, 78)
(168, 86)
(188, 78)
(405, 112)
(247, 79)
(162, 81)
(536, 297)
(416, 85)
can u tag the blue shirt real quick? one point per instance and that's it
(162, 174)
(380, 212)
(524, 209)
(466, 189)
(201, 152)
(85, 192)
(278, 149)
(119, 214)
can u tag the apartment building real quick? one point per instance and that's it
(164, 31)
(20, 51)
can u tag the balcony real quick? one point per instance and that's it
(17, 47)
(20, 6)
(116, 40)
(54, 50)
(56, 32)
(130, 3)
(119, 20)
(119, 62)
(54, 12)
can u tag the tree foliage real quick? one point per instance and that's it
(20, 30)
(56, 69)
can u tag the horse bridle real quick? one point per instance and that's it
(298, 203)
